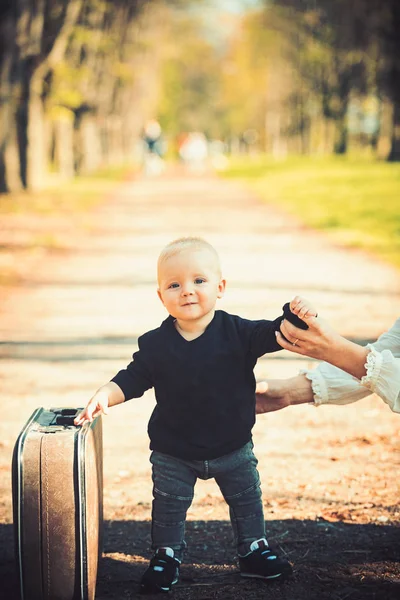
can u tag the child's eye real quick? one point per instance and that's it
(199, 280)
(173, 285)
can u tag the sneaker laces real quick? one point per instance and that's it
(261, 546)
(258, 544)
(158, 557)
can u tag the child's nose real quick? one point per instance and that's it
(187, 289)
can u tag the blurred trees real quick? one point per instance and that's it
(77, 80)
(331, 67)
(315, 76)
(190, 79)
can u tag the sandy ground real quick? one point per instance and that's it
(330, 475)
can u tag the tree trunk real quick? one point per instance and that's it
(63, 146)
(32, 69)
(341, 136)
(10, 174)
(10, 161)
(36, 165)
(88, 139)
(10, 177)
(304, 125)
(385, 129)
(394, 154)
(341, 127)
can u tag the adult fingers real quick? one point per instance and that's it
(290, 331)
(288, 345)
(314, 323)
(303, 312)
(296, 302)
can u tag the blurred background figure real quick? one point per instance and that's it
(218, 159)
(154, 147)
(193, 151)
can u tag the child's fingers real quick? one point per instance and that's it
(304, 310)
(90, 413)
(99, 410)
(80, 419)
(85, 416)
(300, 311)
(310, 312)
(295, 304)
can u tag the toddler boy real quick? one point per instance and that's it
(200, 362)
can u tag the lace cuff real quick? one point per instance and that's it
(383, 377)
(331, 385)
(318, 384)
(373, 367)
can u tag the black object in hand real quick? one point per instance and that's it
(294, 319)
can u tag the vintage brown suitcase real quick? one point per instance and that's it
(58, 505)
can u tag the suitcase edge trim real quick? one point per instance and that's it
(80, 443)
(19, 467)
(80, 449)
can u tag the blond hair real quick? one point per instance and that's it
(187, 243)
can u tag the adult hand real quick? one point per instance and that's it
(271, 395)
(275, 394)
(324, 343)
(318, 341)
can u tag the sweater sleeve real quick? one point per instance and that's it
(333, 386)
(263, 339)
(136, 378)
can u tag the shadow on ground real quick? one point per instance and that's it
(331, 560)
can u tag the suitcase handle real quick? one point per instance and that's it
(64, 420)
(66, 416)
(57, 417)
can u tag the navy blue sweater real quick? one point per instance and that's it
(204, 388)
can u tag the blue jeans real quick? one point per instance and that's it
(173, 489)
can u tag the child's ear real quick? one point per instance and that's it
(221, 288)
(159, 295)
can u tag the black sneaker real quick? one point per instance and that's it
(162, 573)
(263, 563)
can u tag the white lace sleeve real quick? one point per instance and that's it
(383, 377)
(390, 340)
(333, 386)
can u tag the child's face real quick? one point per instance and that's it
(189, 284)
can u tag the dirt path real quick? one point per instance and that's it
(330, 475)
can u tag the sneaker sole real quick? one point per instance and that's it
(146, 589)
(254, 576)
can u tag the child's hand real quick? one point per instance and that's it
(302, 308)
(97, 405)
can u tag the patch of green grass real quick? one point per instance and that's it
(357, 201)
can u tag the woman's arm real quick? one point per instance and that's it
(324, 343)
(375, 368)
